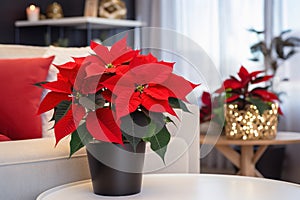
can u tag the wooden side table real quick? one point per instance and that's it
(247, 158)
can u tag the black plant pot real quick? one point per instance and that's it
(115, 169)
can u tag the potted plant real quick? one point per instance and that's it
(115, 99)
(279, 49)
(250, 110)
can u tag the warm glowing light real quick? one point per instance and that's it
(32, 7)
(249, 124)
(33, 13)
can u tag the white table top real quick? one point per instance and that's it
(188, 186)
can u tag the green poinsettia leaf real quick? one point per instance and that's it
(177, 103)
(219, 115)
(134, 141)
(151, 129)
(228, 93)
(228, 90)
(156, 117)
(79, 138)
(261, 105)
(89, 102)
(40, 84)
(134, 127)
(168, 120)
(61, 109)
(159, 142)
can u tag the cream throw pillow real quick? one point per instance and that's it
(21, 51)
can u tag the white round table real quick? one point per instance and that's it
(187, 186)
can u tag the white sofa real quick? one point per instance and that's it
(29, 167)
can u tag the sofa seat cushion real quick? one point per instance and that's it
(20, 98)
(35, 150)
(4, 138)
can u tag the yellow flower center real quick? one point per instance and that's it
(140, 88)
(110, 65)
(77, 95)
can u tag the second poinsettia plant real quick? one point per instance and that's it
(247, 88)
(250, 88)
(115, 95)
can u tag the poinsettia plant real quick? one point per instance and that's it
(247, 88)
(115, 95)
(244, 90)
(212, 108)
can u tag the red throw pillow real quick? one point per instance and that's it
(4, 138)
(20, 98)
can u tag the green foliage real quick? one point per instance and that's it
(219, 115)
(134, 127)
(61, 109)
(177, 103)
(79, 138)
(159, 141)
(40, 84)
(260, 104)
(168, 119)
(139, 126)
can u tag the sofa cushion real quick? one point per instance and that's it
(4, 138)
(21, 51)
(20, 98)
(62, 55)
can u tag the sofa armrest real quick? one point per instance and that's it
(30, 167)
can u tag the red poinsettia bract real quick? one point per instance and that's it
(114, 60)
(206, 108)
(148, 84)
(71, 85)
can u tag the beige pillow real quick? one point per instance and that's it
(63, 55)
(21, 51)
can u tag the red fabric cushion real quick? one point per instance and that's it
(4, 138)
(20, 98)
